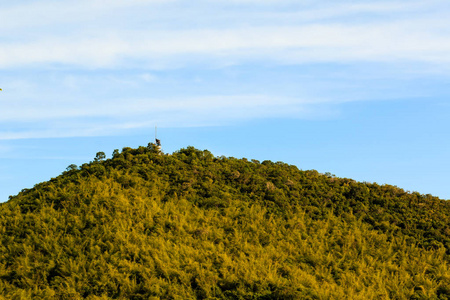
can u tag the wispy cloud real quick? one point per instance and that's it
(313, 34)
(102, 118)
(151, 36)
(290, 45)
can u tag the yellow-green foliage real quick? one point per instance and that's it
(144, 225)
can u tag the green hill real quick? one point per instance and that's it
(146, 225)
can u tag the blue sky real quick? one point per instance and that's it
(359, 89)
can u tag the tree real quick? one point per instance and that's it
(100, 156)
(71, 167)
(115, 153)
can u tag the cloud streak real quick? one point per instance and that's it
(422, 38)
(150, 36)
(100, 118)
(290, 45)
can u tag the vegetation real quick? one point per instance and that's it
(145, 225)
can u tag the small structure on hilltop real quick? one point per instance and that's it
(158, 142)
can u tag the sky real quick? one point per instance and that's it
(359, 89)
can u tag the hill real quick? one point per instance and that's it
(146, 225)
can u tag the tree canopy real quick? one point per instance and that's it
(147, 225)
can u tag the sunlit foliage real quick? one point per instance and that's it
(146, 225)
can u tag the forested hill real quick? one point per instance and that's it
(147, 225)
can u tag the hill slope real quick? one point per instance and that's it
(144, 225)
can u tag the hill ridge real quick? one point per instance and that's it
(191, 225)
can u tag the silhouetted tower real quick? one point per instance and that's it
(158, 142)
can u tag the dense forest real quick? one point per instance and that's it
(189, 225)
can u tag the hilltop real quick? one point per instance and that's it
(147, 225)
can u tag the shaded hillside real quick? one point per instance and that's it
(145, 225)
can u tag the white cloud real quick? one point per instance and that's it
(100, 37)
(300, 44)
(198, 107)
(102, 118)
(16, 15)
(90, 36)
